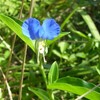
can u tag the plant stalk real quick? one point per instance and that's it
(24, 58)
(43, 73)
(10, 58)
(22, 73)
(7, 84)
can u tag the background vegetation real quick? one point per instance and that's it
(77, 52)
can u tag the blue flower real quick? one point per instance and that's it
(34, 30)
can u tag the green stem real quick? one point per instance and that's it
(51, 94)
(43, 73)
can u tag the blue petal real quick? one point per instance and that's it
(31, 28)
(51, 29)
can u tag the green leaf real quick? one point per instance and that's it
(40, 93)
(90, 24)
(49, 1)
(62, 34)
(71, 27)
(63, 45)
(79, 33)
(1, 96)
(53, 73)
(88, 45)
(76, 86)
(67, 19)
(81, 54)
(98, 69)
(16, 27)
(57, 53)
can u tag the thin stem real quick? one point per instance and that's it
(6, 82)
(45, 80)
(20, 14)
(40, 55)
(43, 73)
(14, 39)
(80, 97)
(11, 52)
(10, 58)
(24, 59)
(8, 47)
(22, 73)
(31, 8)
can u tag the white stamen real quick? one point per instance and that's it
(42, 50)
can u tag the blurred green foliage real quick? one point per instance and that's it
(77, 53)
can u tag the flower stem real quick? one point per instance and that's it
(43, 73)
(45, 80)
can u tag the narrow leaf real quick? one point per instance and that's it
(40, 93)
(62, 34)
(16, 27)
(90, 24)
(53, 73)
(67, 19)
(98, 69)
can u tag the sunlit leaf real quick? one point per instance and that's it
(76, 86)
(62, 34)
(53, 73)
(15, 27)
(40, 93)
(90, 24)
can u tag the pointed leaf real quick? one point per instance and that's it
(40, 93)
(16, 27)
(62, 34)
(76, 86)
(98, 69)
(90, 24)
(53, 73)
(67, 19)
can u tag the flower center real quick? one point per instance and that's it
(42, 49)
